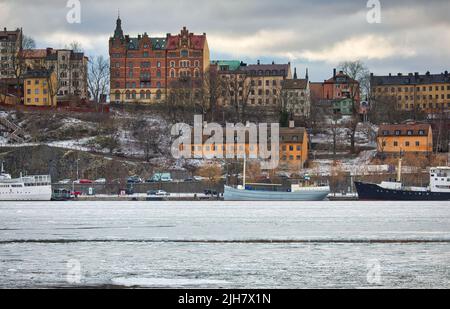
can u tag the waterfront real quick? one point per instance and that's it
(225, 244)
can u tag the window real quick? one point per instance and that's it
(410, 132)
(397, 132)
(407, 144)
(184, 53)
(395, 144)
(417, 144)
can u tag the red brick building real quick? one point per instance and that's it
(144, 69)
(338, 87)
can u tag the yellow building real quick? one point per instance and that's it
(429, 93)
(293, 151)
(404, 138)
(40, 88)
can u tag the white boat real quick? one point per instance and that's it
(28, 188)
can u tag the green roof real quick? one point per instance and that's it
(232, 64)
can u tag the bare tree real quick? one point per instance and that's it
(359, 80)
(28, 42)
(98, 77)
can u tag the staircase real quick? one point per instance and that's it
(15, 133)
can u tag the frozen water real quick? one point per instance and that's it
(225, 244)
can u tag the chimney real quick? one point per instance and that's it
(273, 62)
(416, 73)
(258, 62)
(390, 74)
(334, 72)
(291, 124)
(371, 74)
(446, 73)
(5, 29)
(399, 74)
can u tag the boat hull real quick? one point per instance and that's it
(373, 192)
(36, 193)
(232, 194)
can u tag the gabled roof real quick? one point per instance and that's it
(341, 77)
(410, 79)
(411, 129)
(295, 84)
(195, 41)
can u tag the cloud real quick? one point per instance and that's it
(367, 47)
(414, 34)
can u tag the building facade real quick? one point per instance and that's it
(429, 92)
(40, 88)
(71, 69)
(293, 148)
(10, 47)
(405, 138)
(252, 85)
(296, 96)
(144, 68)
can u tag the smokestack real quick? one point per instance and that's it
(334, 72)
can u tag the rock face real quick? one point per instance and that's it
(62, 163)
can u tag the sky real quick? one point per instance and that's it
(411, 36)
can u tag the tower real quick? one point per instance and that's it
(118, 33)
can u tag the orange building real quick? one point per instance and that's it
(293, 152)
(405, 138)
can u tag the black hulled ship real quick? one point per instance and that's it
(438, 190)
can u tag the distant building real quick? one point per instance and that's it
(252, 85)
(405, 138)
(40, 88)
(144, 68)
(296, 96)
(10, 46)
(429, 92)
(338, 87)
(293, 152)
(70, 67)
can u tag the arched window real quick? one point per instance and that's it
(148, 95)
(172, 73)
(142, 94)
(133, 95)
(158, 74)
(117, 95)
(127, 94)
(158, 94)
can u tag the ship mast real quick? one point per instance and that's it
(243, 181)
(399, 170)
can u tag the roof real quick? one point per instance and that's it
(232, 65)
(9, 35)
(42, 73)
(34, 53)
(341, 78)
(404, 129)
(196, 41)
(267, 69)
(410, 79)
(286, 134)
(295, 84)
(295, 135)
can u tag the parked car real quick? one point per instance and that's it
(161, 177)
(83, 181)
(134, 179)
(76, 194)
(65, 182)
(210, 192)
(199, 178)
(100, 181)
(189, 179)
(158, 193)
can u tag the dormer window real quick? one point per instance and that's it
(398, 132)
(421, 132)
(385, 132)
(410, 132)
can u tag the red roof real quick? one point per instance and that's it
(34, 53)
(196, 41)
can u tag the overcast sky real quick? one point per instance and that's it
(413, 36)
